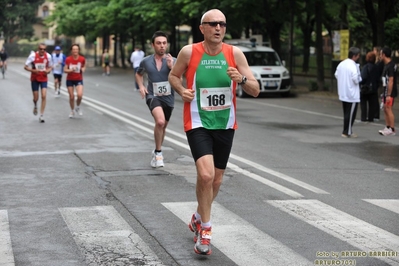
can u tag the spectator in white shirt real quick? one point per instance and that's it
(348, 78)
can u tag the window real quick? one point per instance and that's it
(45, 11)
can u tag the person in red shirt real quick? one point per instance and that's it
(39, 64)
(75, 65)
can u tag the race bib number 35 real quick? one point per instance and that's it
(213, 99)
(161, 88)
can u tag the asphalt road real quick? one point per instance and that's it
(81, 191)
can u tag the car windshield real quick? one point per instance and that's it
(257, 58)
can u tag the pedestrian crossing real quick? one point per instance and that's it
(103, 235)
(259, 248)
(352, 230)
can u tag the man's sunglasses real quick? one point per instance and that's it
(215, 23)
(42, 49)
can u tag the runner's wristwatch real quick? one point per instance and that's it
(243, 81)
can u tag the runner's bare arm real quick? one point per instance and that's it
(251, 86)
(176, 74)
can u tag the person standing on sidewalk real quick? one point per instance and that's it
(390, 91)
(159, 95)
(348, 78)
(380, 67)
(40, 65)
(58, 60)
(369, 89)
(213, 70)
(75, 66)
(136, 58)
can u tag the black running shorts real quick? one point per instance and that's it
(215, 142)
(155, 102)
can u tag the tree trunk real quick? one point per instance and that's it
(197, 35)
(115, 61)
(274, 35)
(380, 21)
(292, 54)
(122, 51)
(173, 41)
(307, 29)
(373, 21)
(319, 44)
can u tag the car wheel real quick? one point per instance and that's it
(241, 93)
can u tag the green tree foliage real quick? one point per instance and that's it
(76, 17)
(392, 33)
(17, 18)
(136, 20)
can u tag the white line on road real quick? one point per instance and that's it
(6, 254)
(389, 204)
(341, 225)
(255, 248)
(279, 175)
(103, 236)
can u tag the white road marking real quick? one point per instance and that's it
(6, 253)
(102, 234)
(362, 235)
(255, 247)
(280, 175)
(389, 204)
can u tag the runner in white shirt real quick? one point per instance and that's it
(135, 59)
(58, 59)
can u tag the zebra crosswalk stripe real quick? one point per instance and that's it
(389, 204)
(102, 235)
(343, 226)
(256, 248)
(6, 254)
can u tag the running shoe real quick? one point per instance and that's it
(35, 110)
(382, 131)
(389, 132)
(194, 226)
(41, 119)
(71, 114)
(203, 244)
(78, 110)
(157, 159)
(59, 91)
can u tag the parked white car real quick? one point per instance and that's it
(268, 69)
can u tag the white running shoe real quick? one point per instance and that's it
(78, 110)
(388, 132)
(382, 131)
(157, 160)
(71, 114)
(41, 119)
